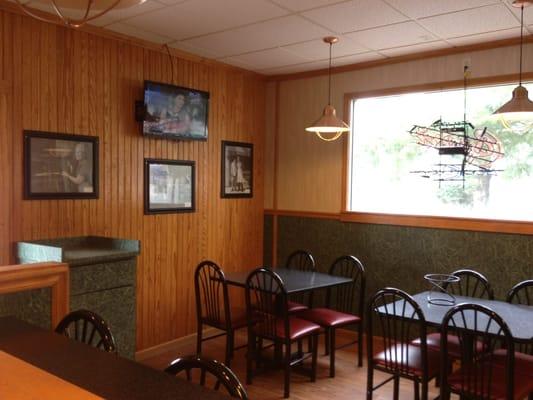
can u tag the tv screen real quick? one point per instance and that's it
(175, 112)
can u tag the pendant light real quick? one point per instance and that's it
(90, 9)
(328, 127)
(516, 113)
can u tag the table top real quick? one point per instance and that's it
(519, 318)
(102, 374)
(295, 281)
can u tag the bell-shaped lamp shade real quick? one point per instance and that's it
(328, 124)
(517, 113)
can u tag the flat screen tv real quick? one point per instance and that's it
(174, 112)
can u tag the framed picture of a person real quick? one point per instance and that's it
(169, 186)
(237, 169)
(60, 166)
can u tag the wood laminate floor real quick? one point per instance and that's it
(349, 382)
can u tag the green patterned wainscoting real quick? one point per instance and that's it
(400, 256)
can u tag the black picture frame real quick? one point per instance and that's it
(237, 170)
(182, 198)
(60, 166)
(159, 98)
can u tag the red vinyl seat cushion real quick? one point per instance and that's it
(298, 328)
(454, 346)
(408, 359)
(328, 318)
(523, 363)
(294, 307)
(523, 384)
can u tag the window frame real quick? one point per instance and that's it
(455, 223)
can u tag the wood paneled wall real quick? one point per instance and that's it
(63, 80)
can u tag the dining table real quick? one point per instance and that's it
(40, 364)
(518, 317)
(295, 281)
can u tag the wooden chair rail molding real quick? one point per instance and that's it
(19, 278)
(422, 221)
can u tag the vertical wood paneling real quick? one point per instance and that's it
(69, 81)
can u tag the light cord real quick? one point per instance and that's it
(521, 41)
(329, 74)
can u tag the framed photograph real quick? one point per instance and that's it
(60, 166)
(237, 169)
(169, 186)
(174, 112)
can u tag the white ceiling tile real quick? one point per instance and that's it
(485, 37)
(194, 50)
(385, 37)
(301, 5)
(198, 17)
(318, 50)
(355, 15)
(417, 48)
(125, 29)
(528, 14)
(426, 8)
(261, 36)
(295, 68)
(357, 58)
(265, 59)
(471, 22)
(121, 14)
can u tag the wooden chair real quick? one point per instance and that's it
(300, 260)
(471, 284)
(269, 319)
(213, 307)
(221, 373)
(89, 328)
(400, 320)
(487, 374)
(344, 307)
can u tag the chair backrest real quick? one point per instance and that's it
(480, 332)
(471, 284)
(211, 291)
(400, 320)
(349, 298)
(221, 374)
(266, 304)
(89, 328)
(522, 293)
(301, 260)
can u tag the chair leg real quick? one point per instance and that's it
(229, 348)
(417, 389)
(396, 394)
(249, 358)
(314, 357)
(199, 339)
(332, 353)
(424, 390)
(360, 345)
(287, 362)
(326, 337)
(370, 382)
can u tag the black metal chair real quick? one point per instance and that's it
(471, 284)
(89, 328)
(344, 306)
(484, 374)
(221, 374)
(300, 260)
(400, 319)
(213, 308)
(269, 319)
(522, 293)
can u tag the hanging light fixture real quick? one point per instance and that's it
(90, 9)
(328, 127)
(517, 113)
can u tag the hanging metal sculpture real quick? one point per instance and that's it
(477, 148)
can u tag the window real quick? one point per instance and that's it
(390, 173)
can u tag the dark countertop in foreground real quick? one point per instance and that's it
(101, 373)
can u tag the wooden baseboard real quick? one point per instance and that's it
(172, 345)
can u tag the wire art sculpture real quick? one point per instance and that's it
(477, 148)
